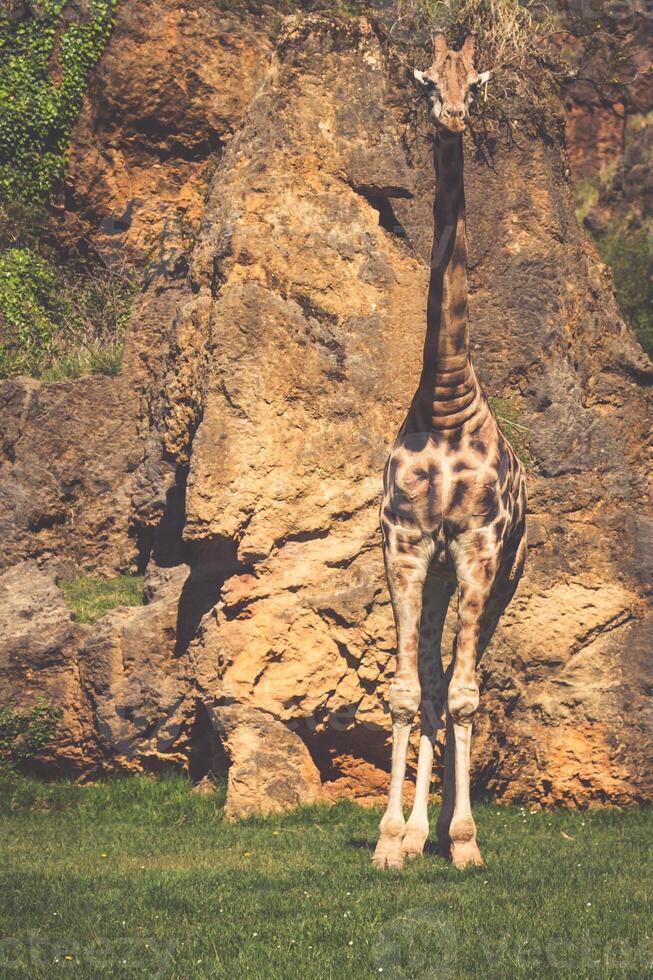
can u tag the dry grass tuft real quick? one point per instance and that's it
(513, 40)
(510, 35)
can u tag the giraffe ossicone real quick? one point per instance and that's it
(453, 515)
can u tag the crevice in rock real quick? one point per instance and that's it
(621, 618)
(313, 535)
(235, 609)
(314, 312)
(272, 658)
(207, 755)
(353, 664)
(480, 780)
(232, 402)
(379, 199)
(46, 521)
(328, 321)
(341, 739)
(211, 562)
(336, 618)
(153, 139)
(163, 541)
(346, 562)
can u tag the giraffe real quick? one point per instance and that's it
(453, 512)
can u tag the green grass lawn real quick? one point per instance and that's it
(137, 878)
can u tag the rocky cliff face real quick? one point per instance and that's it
(165, 100)
(238, 457)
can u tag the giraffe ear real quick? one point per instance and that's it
(468, 49)
(440, 47)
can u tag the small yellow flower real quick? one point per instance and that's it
(69, 957)
(247, 854)
(103, 855)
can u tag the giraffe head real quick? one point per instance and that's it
(450, 82)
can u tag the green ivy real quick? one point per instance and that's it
(28, 306)
(45, 58)
(24, 732)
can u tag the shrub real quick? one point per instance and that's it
(629, 253)
(24, 732)
(588, 190)
(57, 319)
(28, 304)
(512, 41)
(61, 321)
(508, 414)
(91, 598)
(631, 258)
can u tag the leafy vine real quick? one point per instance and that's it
(47, 49)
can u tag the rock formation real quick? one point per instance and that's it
(39, 660)
(271, 768)
(165, 100)
(238, 457)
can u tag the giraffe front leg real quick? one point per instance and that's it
(404, 699)
(387, 853)
(417, 828)
(462, 829)
(435, 601)
(462, 703)
(405, 580)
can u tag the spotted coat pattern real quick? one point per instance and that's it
(453, 513)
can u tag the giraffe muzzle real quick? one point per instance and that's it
(453, 119)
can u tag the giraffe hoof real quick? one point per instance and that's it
(388, 854)
(465, 853)
(412, 845)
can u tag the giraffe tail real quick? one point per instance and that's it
(519, 560)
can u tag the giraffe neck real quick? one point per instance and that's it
(447, 336)
(448, 392)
